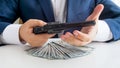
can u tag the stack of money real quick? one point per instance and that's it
(55, 50)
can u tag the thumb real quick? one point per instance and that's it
(96, 13)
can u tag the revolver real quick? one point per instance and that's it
(56, 27)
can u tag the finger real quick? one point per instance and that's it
(35, 22)
(69, 38)
(81, 36)
(96, 13)
(79, 43)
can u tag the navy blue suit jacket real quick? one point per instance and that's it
(77, 10)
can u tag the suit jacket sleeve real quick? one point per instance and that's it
(8, 13)
(111, 14)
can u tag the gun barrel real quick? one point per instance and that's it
(57, 27)
(80, 24)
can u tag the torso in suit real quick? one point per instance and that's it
(77, 10)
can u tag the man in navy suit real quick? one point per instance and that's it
(40, 12)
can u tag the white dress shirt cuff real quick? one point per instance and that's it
(104, 33)
(11, 34)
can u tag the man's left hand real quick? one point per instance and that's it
(87, 34)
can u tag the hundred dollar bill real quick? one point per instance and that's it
(58, 49)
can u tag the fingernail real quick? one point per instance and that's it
(62, 37)
(75, 33)
(67, 36)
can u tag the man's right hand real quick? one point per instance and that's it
(26, 33)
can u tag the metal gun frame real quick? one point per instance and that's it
(53, 27)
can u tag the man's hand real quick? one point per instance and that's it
(87, 34)
(27, 35)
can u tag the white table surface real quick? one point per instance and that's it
(105, 55)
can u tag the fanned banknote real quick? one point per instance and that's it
(58, 49)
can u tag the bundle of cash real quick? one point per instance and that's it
(55, 50)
